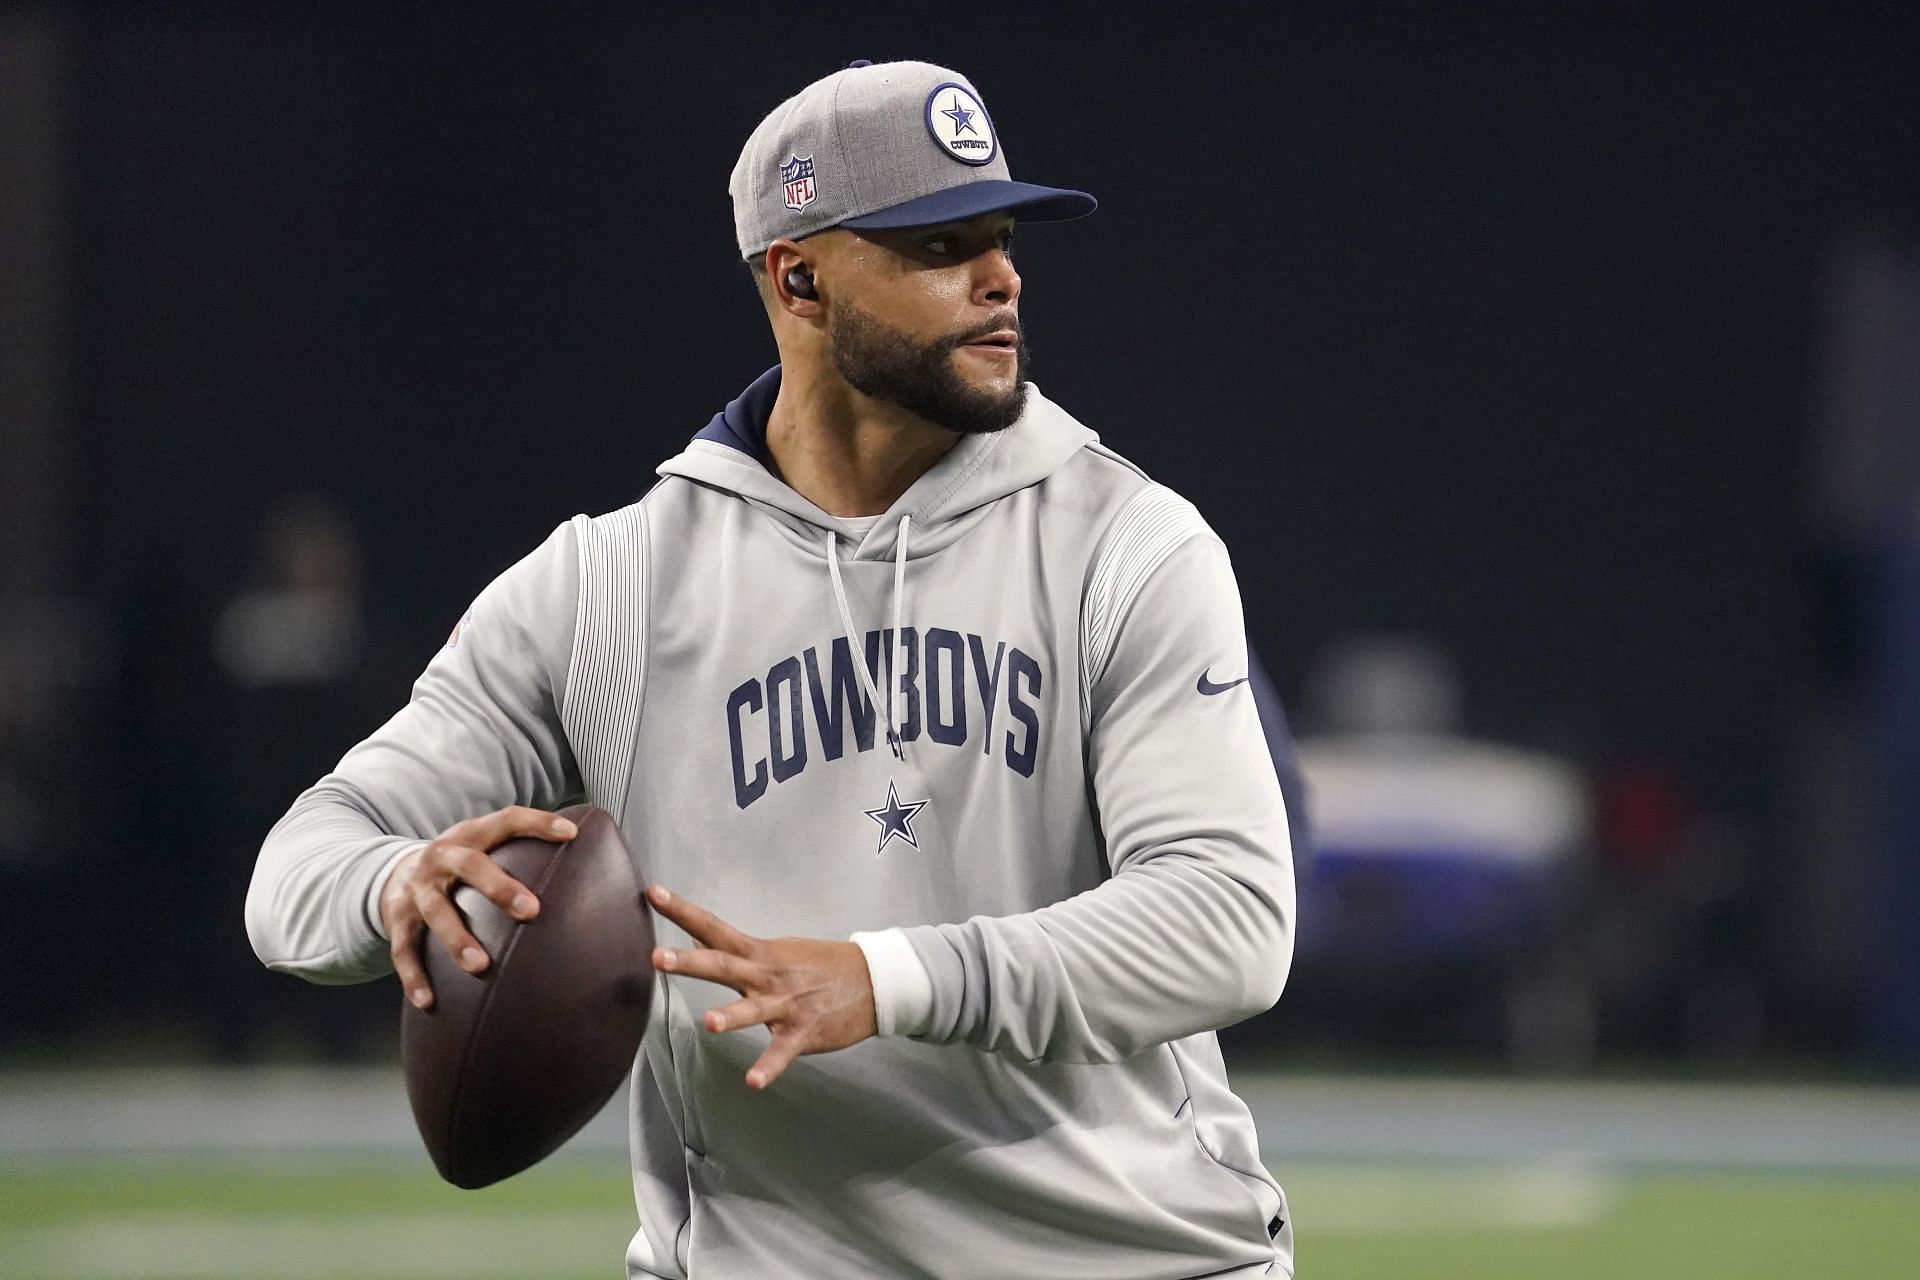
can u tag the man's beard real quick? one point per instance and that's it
(919, 376)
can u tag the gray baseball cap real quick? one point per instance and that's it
(890, 144)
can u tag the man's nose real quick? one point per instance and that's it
(995, 282)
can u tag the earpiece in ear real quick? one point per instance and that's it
(800, 284)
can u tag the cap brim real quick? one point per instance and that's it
(970, 200)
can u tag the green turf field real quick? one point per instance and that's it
(210, 1218)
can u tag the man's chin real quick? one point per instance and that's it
(1007, 406)
(989, 376)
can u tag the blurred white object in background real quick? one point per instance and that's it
(1410, 795)
(302, 624)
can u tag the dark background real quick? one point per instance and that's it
(1496, 323)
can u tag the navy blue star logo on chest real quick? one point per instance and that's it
(896, 819)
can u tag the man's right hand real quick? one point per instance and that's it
(418, 891)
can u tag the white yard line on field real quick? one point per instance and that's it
(1377, 1201)
(1778, 1127)
(399, 1247)
(1321, 1118)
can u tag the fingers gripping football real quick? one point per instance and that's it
(813, 996)
(417, 898)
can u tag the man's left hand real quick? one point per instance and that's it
(814, 996)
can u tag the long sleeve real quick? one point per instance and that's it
(1194, 929)
(482, 731)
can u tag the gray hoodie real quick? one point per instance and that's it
(1000, 734)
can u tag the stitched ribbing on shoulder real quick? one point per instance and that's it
(1149, 527)
(606, 678)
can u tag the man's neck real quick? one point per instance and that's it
(846, 453)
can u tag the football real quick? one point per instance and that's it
(509, 1063)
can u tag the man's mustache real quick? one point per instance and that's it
(1008, 320)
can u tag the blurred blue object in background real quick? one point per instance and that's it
(1893, 699)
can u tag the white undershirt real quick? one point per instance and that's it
(902, 987)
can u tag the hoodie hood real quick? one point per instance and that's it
(731, 454)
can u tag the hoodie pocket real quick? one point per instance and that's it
(1222, 1130)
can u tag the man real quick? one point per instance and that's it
(896, 652)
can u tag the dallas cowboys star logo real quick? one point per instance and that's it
(961, 117)
(896, 819)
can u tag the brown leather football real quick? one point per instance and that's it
(509, 1063)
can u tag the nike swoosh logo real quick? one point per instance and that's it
(1207, 686)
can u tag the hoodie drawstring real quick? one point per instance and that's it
(860, 665)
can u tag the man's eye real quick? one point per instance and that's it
(941, 245)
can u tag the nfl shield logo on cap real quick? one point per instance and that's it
(797, 174)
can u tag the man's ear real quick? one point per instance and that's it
(791, 280)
